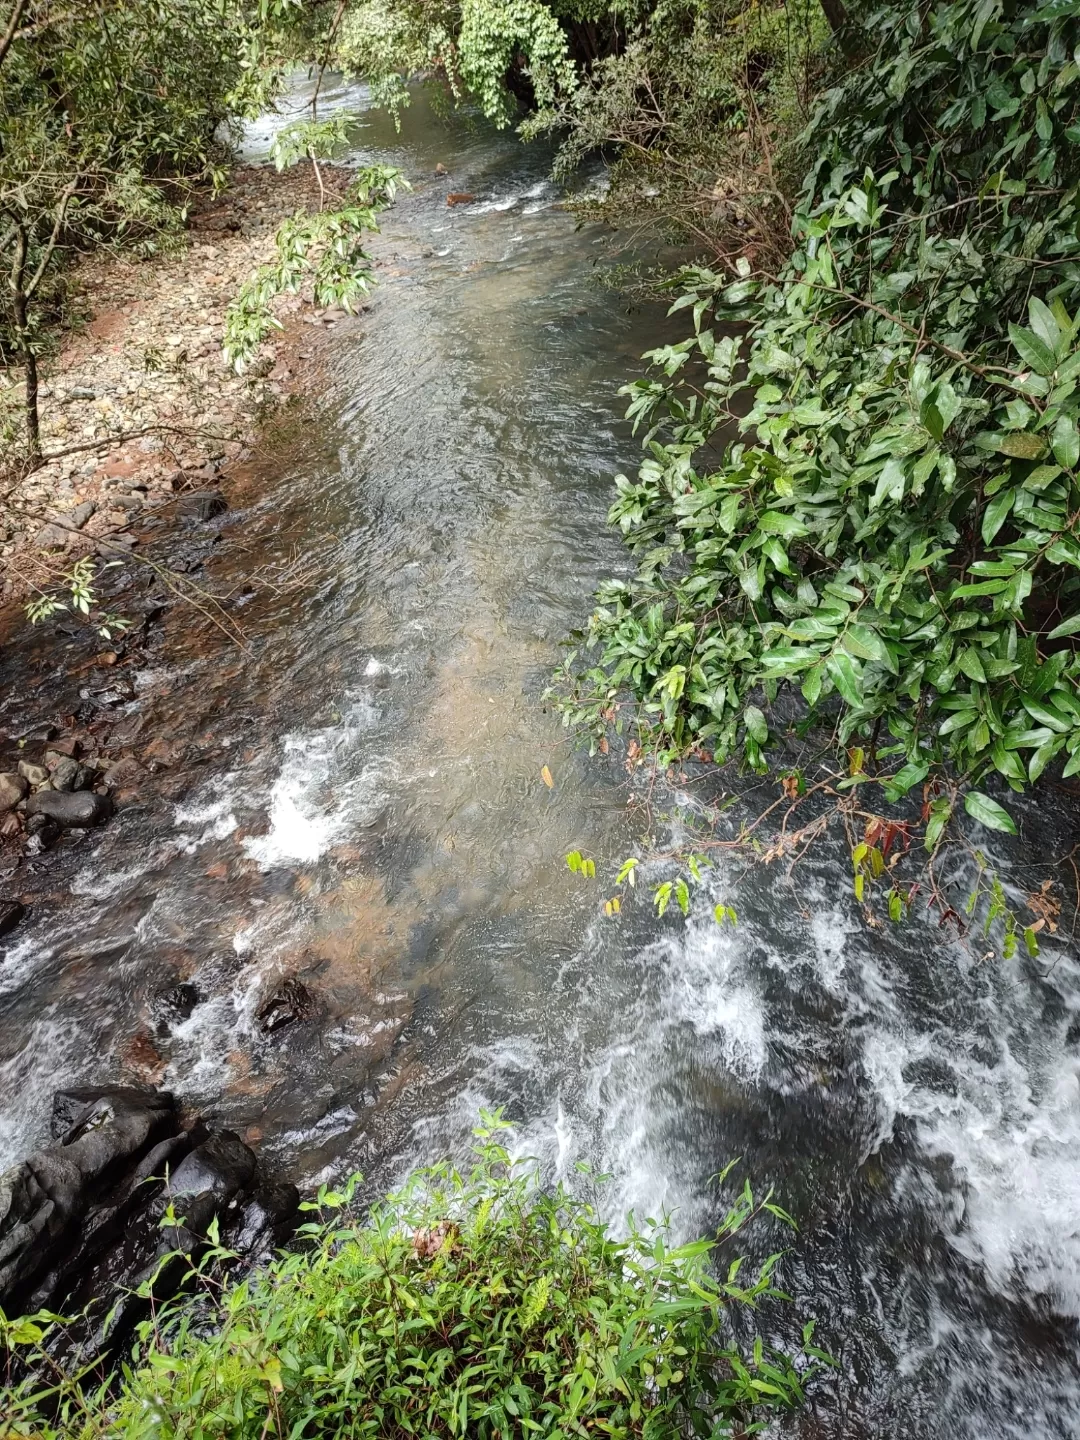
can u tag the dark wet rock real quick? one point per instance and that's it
(265, 1221)
(291, 1002)
(12, 913)
(176, 1003)
(68, 775)
(43, 1197)
(33, 774)
(79, 1103)
(41, 834)
(72, 808)
(82, 1221)
(13, 787)
(202, 505)
(219, 1168)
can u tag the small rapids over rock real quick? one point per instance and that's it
(344, 921)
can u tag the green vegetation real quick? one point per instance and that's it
(114, 114)
(472, 1304)
(324, 250)
(861, 486)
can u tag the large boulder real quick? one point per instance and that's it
(83, 1221)
(72, 809)
(43, 1197)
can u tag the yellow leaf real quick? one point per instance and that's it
(545, 775)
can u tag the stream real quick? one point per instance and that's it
(362, 804)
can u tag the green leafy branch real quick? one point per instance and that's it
(324, 250)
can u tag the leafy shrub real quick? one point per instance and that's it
(472, 48)
(697, 106)
(894, 531)
(465, 1305)
(323, 249)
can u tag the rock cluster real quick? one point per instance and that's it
(67, 790)
(81, 1221)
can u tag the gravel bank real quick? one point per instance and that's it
(146, 365)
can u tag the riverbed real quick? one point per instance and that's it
(374, 797)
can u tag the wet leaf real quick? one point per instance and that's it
(988, 812)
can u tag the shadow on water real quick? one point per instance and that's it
(356, 799)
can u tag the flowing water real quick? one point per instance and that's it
(361, 803)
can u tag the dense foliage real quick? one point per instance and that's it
(474, 47)
(862, 477)
(695, 109)
(471, 1305)
(113, 115)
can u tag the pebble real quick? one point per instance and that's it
(13, 788)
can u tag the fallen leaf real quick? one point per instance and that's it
(545, 775)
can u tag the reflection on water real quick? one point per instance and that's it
(357, 801)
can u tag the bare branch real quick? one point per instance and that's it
(12, 26)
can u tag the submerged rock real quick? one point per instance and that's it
(202, 504)
(176, 1003)
(291, 1002)
(78, 808)
(12, 913)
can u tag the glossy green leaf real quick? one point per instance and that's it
(988, 812)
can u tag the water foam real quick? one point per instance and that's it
(314, 802)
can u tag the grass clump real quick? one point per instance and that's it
(464, 1305)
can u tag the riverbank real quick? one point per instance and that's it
(137, 406)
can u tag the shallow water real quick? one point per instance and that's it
(361, 803)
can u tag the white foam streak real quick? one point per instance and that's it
(313, 802)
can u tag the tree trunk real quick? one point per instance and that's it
(26, 348)
(33, 421)
(836, 15)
